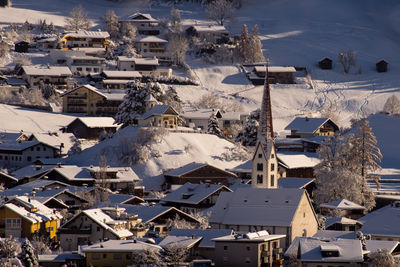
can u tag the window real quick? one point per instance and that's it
(259, 156)
(272, 167)
(117, 256)
(104, 255)
(248, 248)
(225, 247)
(247, 260)
(272, 156)
(98, 228)
(259, 167)
(95, 256)
(128, 256)
(38, 149)
(29, 158)
(304, 233)
(259, 178)
(6, 157)
(272, 180)
(79, 69)
(44, 149)
(13, 223)
(1, 157)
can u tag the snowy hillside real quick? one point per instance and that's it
(175, 150)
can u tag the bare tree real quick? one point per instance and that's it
(175, 254)
(220, 11)
(112, 25)
(392, 105)
(4, 49)
(128, 32)
(176, 26)
(78, 19)
(130, 51)
(9, 247)
(347, 59)
(382, 257)
(147, 257)
(177, 47)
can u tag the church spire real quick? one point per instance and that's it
(265, 129)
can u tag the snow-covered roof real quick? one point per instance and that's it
(384, 221)
(374, 245)
(203, 113)
(119, 246)
(32, 170)
(41, 211)
(254, 206)
(206, 234)
(38, 70)
(54, 140)
(349, 250)
(342, 220)
(5, 136)
(244, 167)
(114, 96)
(87, 34)
(147, 17)
(294, 160)
(306, 124)
(31, 217)
(158, 110)
(182, 241)
(38, 185)
(210, 29)
(342, 204)
(116, 81)
(193, 193)
(274, 69)
(97, 122)
(122, 198)
(123, 174)
(191, 167)
(333, 234)
(87, 86)
(140, 61)
(293, 182)
(151, 39)
(110, 74)
(260, 236)
(21, 146)
(104, 220)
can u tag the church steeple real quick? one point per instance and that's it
(265, 164)
(265, 129)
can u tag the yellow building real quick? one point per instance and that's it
(89, 100)
(85, 39)
(159, 116)
(116, 253)
(25, 217)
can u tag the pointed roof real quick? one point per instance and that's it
(342, 204)
(265, 130)
(158, 110)
(308, 125)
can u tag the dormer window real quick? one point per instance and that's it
(259, 156)
(328, 250)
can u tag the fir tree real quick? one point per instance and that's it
(171, 98)
(248, 135)
(213, 127)
(28, 256)
(244, 44)
(256, 46)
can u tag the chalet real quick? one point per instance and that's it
(31, 172)
(344, 208)
(305, 127)
(21, 47)
(144, 23)
(279, 211)
(209, 33)
(197, 173)
(91, 101)
(294, 164)
(121, 75)
(125, 199)
(198, 118)
(159, 116)
(47, 43)
(84, 65)
(382, 224)
(310, 144)
(194, 197)
(92, 225)
(91, 127)
(25, 217)
(325, 63)
(115, 252)
(276, 74)
(253, 249)
(342, 224)
(85, 39)
(382, 66)
(55, 75)
(321, 252)
(19, 154)
(152, 46)
(56, 139)
(145, 66)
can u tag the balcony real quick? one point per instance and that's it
(265, 254)
(76, 104)
(83, 96)
(68, 231)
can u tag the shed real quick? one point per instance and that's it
(22, 47)
(325, 63)
(381, 66)
(91, 127)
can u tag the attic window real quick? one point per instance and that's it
(286, 201)
(186, 196)
(259, 156)
(266, 201)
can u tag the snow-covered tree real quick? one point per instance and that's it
(175, 254)
(177, 47)
(171, 98)
(132, 106)
(147, 257)
(248, 135)
(338, 174)
(78, 19)
(244, 44)
(9, 247)
(41, 245)
(220, 11)
(76, 148)
(128, 32)
(347, 59)
(213, 127)
(250, 47)
(28, 256)
(382, 257)
(112, 25)
(176, 26)
(4, 49)
(130, 51)
(256, 46)
(392, 105)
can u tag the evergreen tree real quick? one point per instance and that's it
(171, 98)
(248, 135)
(256, 46)
(213, 127)
(244, 44)
(28, 256)
(132, 106)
